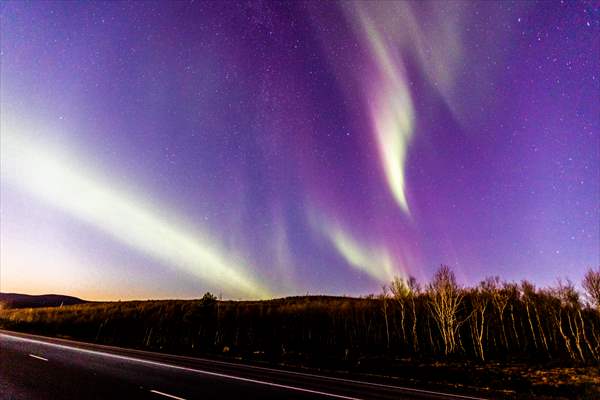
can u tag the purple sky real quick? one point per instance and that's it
(253, 149)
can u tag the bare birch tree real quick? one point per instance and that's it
(445, 300)
(384, 307)
(591, 284)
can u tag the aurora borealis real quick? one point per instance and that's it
(257, 149)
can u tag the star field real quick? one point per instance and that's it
(254, 149)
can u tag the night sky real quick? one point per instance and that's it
(257, 149)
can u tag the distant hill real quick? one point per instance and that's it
(16, 300)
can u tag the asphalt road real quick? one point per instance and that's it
(34, 367)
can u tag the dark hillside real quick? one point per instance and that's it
(16, 300)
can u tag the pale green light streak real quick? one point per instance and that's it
(72, 189)
(375, 261)
(392, 113)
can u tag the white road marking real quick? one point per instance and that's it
(278, 371)
(457, 396)
(38, 357)
(198, 371)
(167, 395)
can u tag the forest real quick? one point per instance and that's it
(494, 321)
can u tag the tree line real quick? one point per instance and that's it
(494, 320)
(442, 320)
